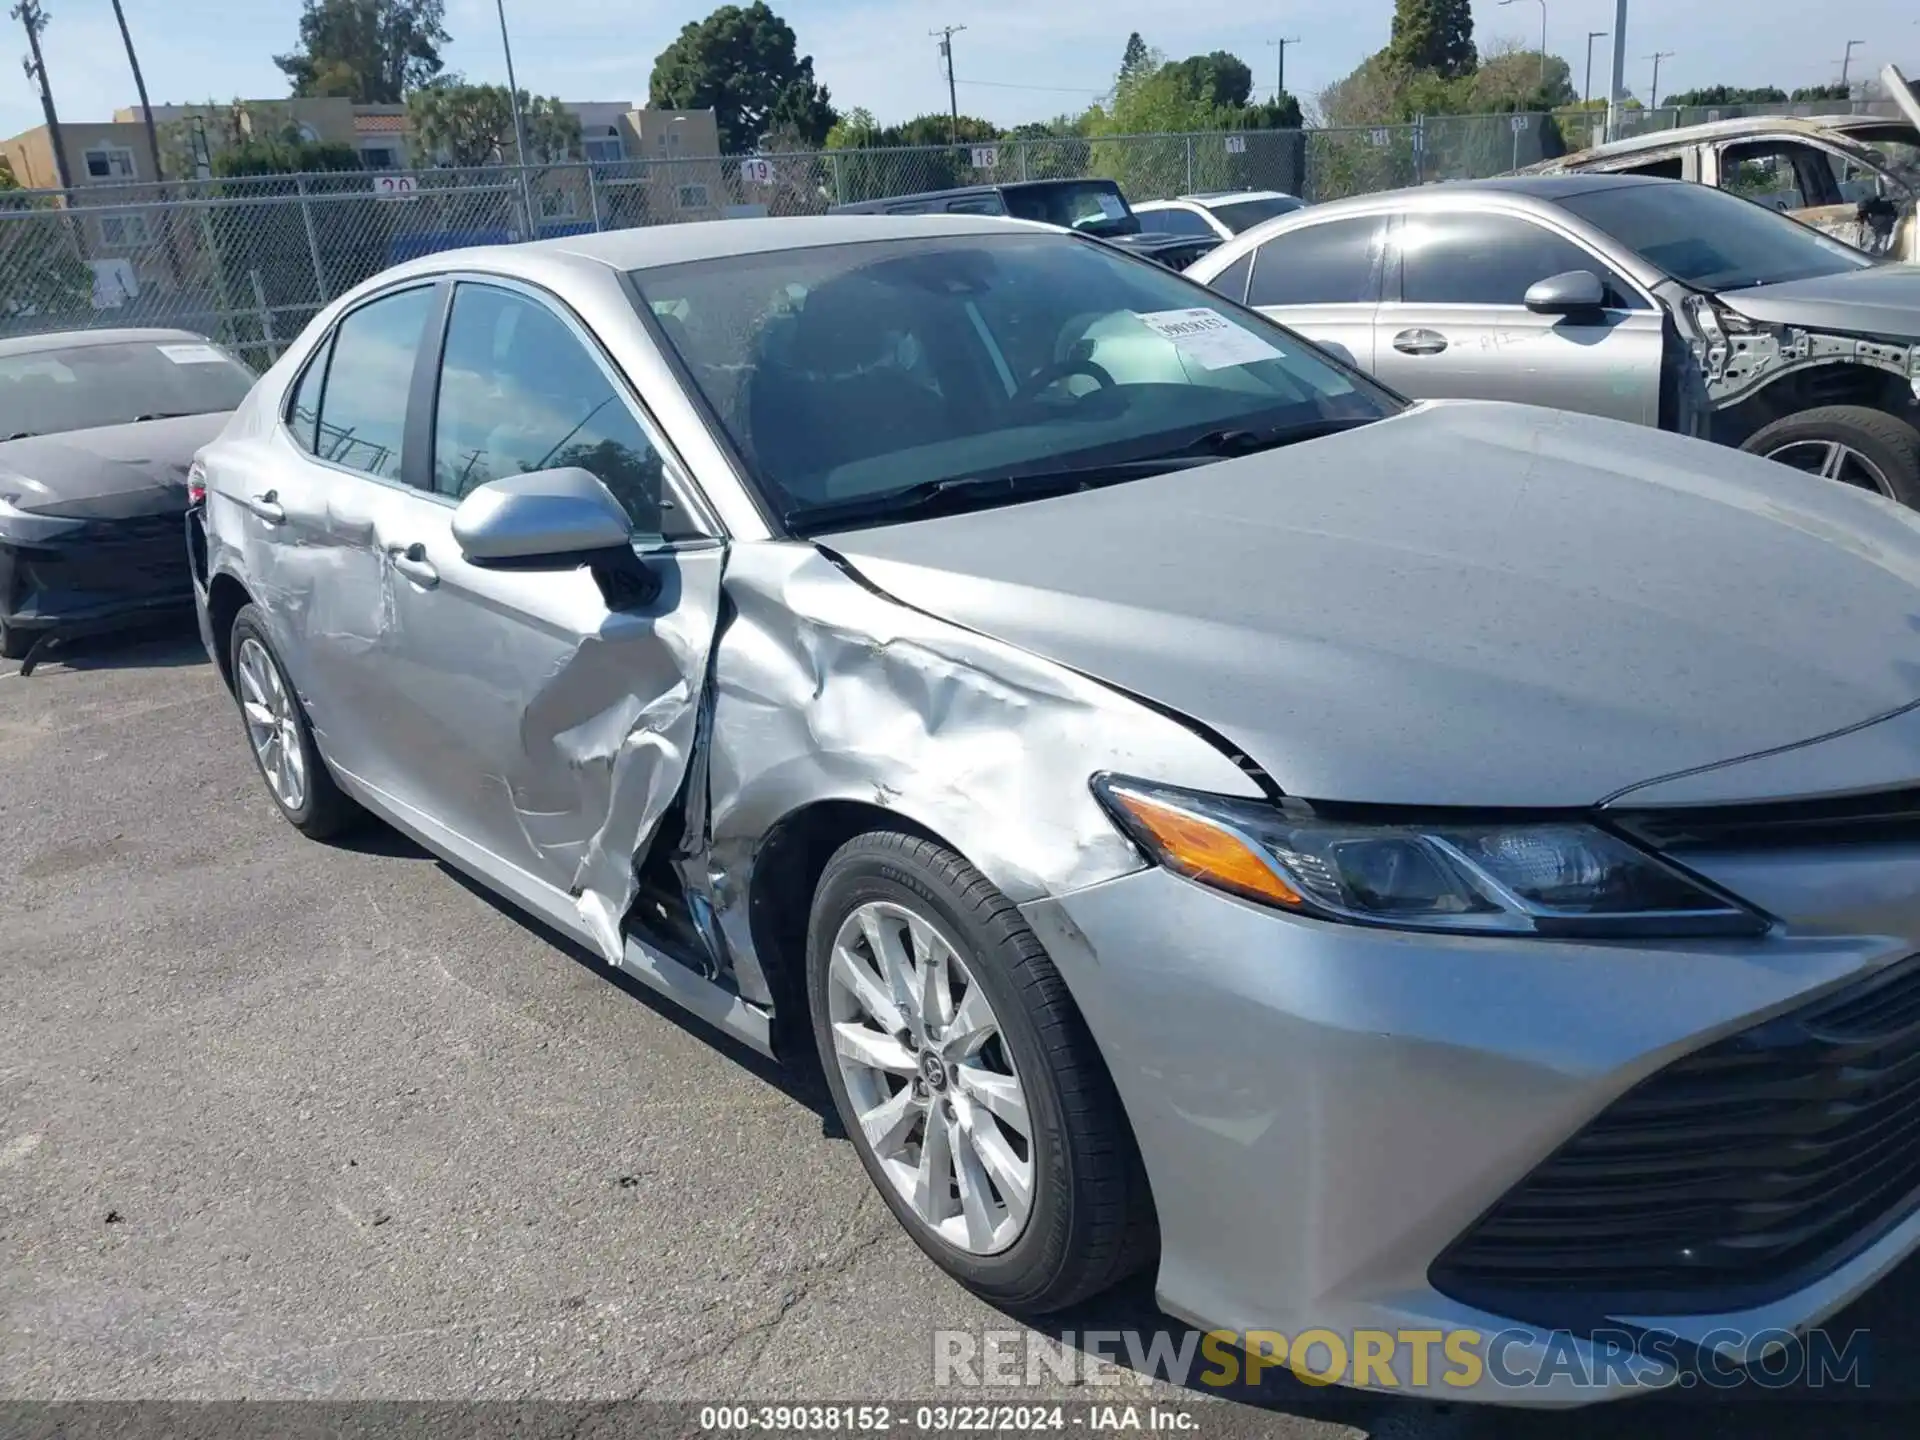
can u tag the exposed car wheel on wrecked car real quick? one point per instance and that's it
(1850, 443)
(282, 742)
(967, 1079)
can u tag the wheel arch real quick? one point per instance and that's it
(1812, 387)
(226, 597)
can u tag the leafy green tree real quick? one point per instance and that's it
(1434, 35)
(468, 125)
(1222, 79)
(855, 130)
(1712, 95)
(370, 51)
(933, 130)
(742, 63)
(284, 154)
(1136, 57)
(7, 182)
(1822, 92)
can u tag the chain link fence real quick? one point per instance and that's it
(249, 261)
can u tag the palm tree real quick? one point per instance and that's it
(140, 87)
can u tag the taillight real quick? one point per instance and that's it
(197, 484)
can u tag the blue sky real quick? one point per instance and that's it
(1019, 59)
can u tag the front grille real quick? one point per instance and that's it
(1730, 1178)
(1875, 817)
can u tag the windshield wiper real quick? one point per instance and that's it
(1229, 444)
(970, 492)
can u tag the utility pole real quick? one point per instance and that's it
(1846, 61)
(513, 89)
(1586, 95)
(1280, 66)
(29, 14)
(945, 35)
(1618, 90)
(140, 89)
(1653, 96)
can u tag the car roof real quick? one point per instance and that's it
(1741, 126)
(650, 247)
(1211, 198)
(75, 339)
(962, 192)
(1545, 189)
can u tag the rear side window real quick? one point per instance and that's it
(363, 411)
(1173, 221)
(1332, 264)
(1232, 281)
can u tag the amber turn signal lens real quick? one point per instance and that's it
(1204, 850)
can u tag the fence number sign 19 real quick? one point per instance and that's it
(986, 157)
(757, 172)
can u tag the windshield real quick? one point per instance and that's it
(1095, 206)
(853, 373)
(1238, 215)
(49, 392)
(1711, 239)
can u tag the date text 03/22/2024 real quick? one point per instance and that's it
(945, 1419)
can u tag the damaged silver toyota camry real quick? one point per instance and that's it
(1395, 867)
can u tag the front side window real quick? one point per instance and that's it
(303, 412)
(1710, 238)
(1483, 258)
(845, 376)
(519, 392)
(363, 410)
(50, 392)
(1174, 220)
(1335, 263)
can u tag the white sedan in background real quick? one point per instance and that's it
(1222, 214)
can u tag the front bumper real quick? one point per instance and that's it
(95, 577)
(1324, 1110)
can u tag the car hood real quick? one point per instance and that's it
(1882, 301)
(115, 472)
(1469, 604)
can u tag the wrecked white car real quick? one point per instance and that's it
(1855, 177)
(1195, 804)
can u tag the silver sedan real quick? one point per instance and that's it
(1395, 869)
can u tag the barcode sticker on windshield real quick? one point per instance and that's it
(193, 354)
(1208, 337)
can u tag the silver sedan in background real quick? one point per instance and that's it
(1656, 301)
(1393, 868)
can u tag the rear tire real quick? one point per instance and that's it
(1854, 444)
(14, 644)
(1088, 1215)
(296, 776)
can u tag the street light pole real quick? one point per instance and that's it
(1617, 91)
(1543, 45)
(1846, 62)
(1586, 95)
(1653, 96)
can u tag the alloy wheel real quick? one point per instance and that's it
(928, 1074)
(1832, 460)
(268, 707)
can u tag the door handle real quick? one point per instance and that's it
(1419, 342)
(268, 508)
(411, 561)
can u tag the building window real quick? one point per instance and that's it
(605, 149)
(380, 157)
(124, 232)
(110, 162)
(692, 197)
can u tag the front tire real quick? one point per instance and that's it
(278, 733)
(1854, 444)
(967, 1080)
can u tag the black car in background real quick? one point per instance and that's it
(1093, 207)
(98, 430)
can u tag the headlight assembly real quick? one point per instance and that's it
(1494, 877)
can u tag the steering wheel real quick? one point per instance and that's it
(1036, 384)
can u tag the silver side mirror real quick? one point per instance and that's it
(1575, 292)
(562, 516)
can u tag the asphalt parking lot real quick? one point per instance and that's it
(285, 1120)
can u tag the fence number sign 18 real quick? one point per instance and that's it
(1236, 144)
(986, 157)
(757, 172)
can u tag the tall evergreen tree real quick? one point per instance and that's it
(1434, 35)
